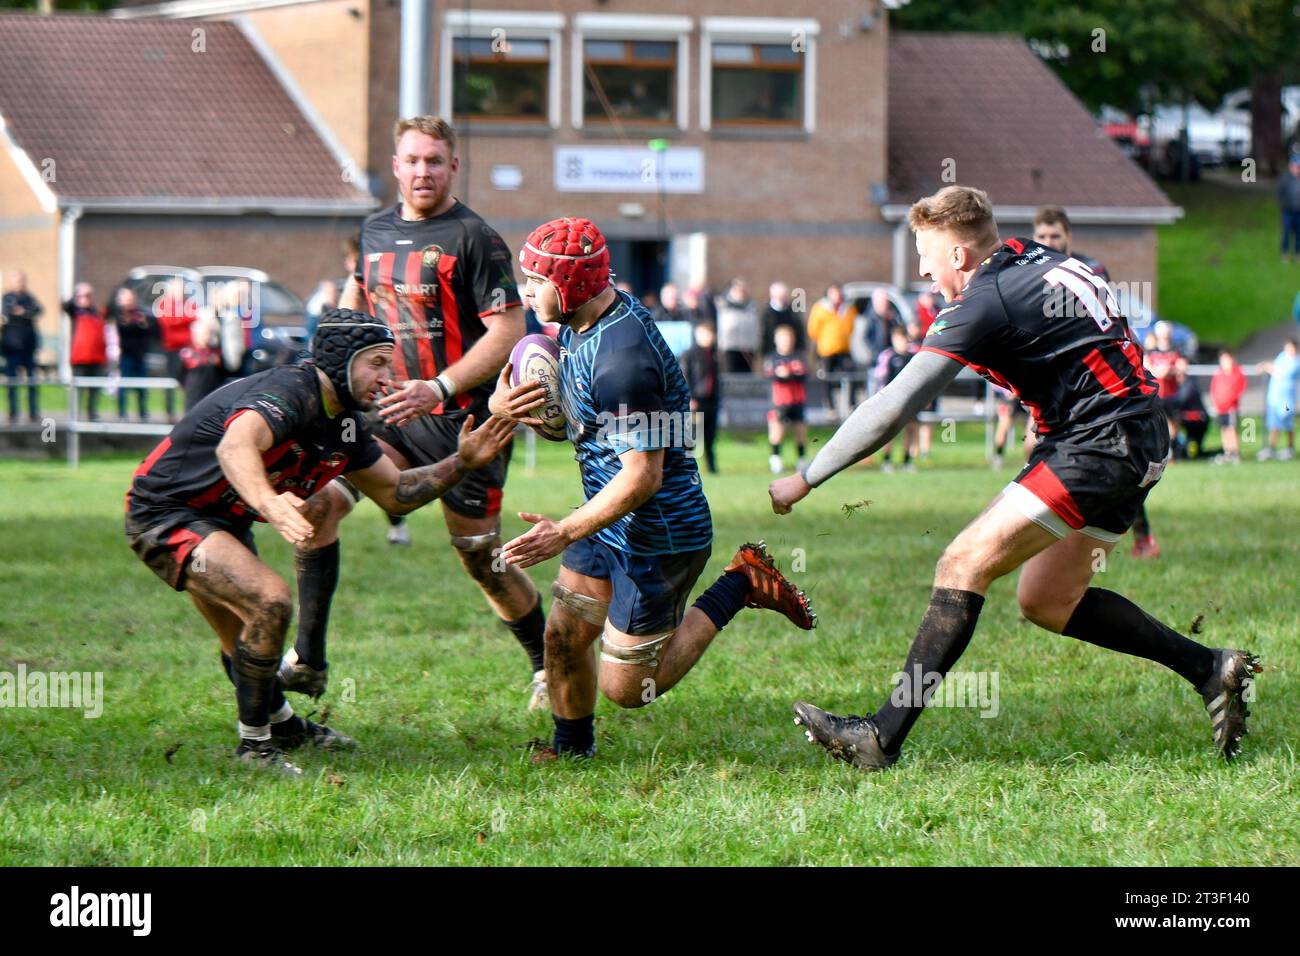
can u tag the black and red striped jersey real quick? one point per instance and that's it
(309, 448)
(1046, 327)
(435, 281)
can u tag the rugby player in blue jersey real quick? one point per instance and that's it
(634, 550)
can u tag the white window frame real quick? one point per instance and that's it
(622, 26)
(480, 24)
(758, 30)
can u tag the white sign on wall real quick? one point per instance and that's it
(507, 177)
(628, 169)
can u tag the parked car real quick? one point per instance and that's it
(1236, 109)
(1213, 139)
(859, 293)
(273, 316)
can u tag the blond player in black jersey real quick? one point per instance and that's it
(1044, 326)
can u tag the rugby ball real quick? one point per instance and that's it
(536, 358)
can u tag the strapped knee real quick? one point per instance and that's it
(476, 542)
(645, 654)
(580, 605)
(343, 497)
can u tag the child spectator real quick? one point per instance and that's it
(892, 361)
(700, 365)
(1226, 389)
(1279, 403)
(1191, 416)
(788, 372)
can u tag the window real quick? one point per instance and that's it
(757, 83)
(501, 67)
(630, 70)
(758, 73)
(500, 79)
(628, 80)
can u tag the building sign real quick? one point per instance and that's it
(507, 177)
(628, 169)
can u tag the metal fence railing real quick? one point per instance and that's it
(746, 406)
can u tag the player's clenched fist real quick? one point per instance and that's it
(786, 492)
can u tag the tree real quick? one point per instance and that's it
(1132, 54)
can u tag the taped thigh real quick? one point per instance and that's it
(645, 654)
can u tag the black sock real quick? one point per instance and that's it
(800, 449)
(274, 702)
(395, 520)
(530, 632)
(724, 598)
(776, 449)
(318, 576)
(255, 682)
(943, 635)
(1114, 622)
(574, 736)
(1141, 528)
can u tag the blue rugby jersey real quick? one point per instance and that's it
(623, 390)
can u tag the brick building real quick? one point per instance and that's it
(789, 138)
(134, 143)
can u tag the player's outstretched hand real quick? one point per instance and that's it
(515, 402)
(283, 513)
(543, 541)
(786, 492)
(411, 400)
(478, 446)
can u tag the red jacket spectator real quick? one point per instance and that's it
(176, 313)
(1226, 389)
(89, 345)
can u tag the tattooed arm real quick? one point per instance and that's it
(399, 492)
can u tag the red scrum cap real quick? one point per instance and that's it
(572, 255)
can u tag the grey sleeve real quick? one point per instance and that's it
(884, 415)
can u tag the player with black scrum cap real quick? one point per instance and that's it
(257, 450)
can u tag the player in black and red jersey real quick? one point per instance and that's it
(1052, 229)
(443, 280)
(1045, 327)
(259, 449)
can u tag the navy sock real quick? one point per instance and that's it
(276, 700)
(574, 736)
(395, 520)
(318, 577)
(724, 598)
(530, 632)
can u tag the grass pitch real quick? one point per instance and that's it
(1093, 758)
